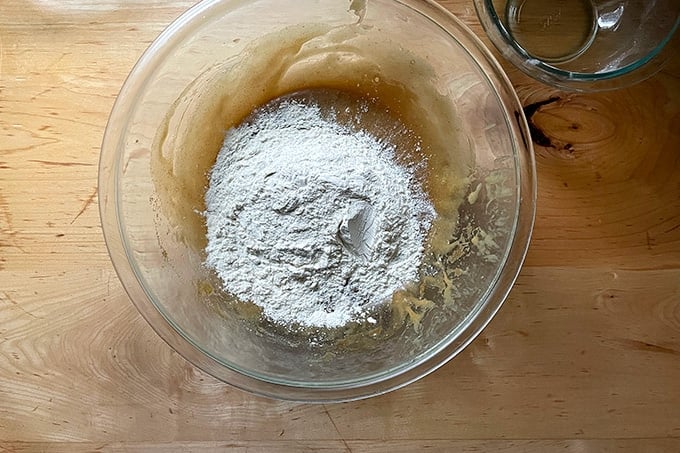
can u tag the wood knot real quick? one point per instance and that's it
(569, 124)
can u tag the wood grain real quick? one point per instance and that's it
(334, 446)
(584, 356)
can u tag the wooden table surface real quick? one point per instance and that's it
(583, 357)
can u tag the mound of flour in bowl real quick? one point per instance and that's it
(312, 221)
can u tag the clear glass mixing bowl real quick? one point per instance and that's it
(583, 45)
(163, 272)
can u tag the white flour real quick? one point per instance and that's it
(311, 221)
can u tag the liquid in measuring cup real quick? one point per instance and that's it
(554, 31)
